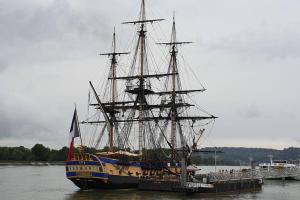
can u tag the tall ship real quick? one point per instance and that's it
(143, 125)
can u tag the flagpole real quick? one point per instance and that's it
(78, 126)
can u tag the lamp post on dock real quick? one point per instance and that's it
(215, 160)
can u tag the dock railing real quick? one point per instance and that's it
(280, 173)
(234, 175)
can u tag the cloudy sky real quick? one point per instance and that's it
(245, 52)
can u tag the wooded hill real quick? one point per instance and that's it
(241, 155)
(229, 155)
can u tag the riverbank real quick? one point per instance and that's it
(31, 163)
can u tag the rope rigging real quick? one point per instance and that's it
(164, 120)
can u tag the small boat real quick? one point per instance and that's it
(297, 178)
(279, 169)
(277, 164)
(298, 167)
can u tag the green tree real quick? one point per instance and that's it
(59, 155)
(17, 154)
(4, 153)
(40, 153)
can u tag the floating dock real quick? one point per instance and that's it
(212, 183)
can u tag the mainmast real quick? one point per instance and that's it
(173, 63)
(140, 90)
(113, 66)
(142, 38)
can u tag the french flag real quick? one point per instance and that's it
(74, 132)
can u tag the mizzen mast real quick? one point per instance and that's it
(175, 88)
(177, 92)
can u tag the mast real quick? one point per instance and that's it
(141, 79)
(141, 91)
(114, 89)
(176, 92)
(174, 70)
(113, 66)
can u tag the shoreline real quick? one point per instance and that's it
(62, 163)
(33, 163)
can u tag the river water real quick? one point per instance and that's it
(49, 182)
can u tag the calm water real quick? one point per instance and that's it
(49, 182)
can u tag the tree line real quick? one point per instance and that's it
(229, 155)
(37, 153)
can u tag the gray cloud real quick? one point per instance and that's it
(266, 42)
(2, 66)
(19, 124)
(253, 111)
(245, 52)
(34, 32)
(19, 120)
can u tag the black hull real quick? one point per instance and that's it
(282, 178)
(233, 186)
(219, 188)
(113, 182)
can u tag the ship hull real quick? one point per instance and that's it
(91, 172)
(112, 182)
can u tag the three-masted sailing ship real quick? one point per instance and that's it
(143, 124)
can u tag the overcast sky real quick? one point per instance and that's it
(245, 52)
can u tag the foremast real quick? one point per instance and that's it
(113, 66)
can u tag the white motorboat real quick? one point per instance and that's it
(279, 169)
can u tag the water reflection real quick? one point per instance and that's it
(130, 194)
(133, 194)
(106, 194)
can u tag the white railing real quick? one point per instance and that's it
(275, 173)
(234, 175)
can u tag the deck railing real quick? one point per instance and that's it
(277, 173)
(233, 175)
